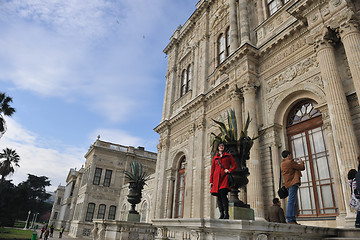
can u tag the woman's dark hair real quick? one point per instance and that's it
(221, 142)
(351, 174)
(285, 153)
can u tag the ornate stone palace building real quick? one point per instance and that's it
(99, 190)
(294, 67)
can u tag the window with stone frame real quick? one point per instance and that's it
(274, 5)
(180, 189)
(316, 196)
(123, 213)
(107, 178)
(227, 40)
(90, 212)
(112, 212)
(221, 48)
(97, 176)
(143, 212)
(185, 81)
(101, 211)
(55, 215)
(58, 201)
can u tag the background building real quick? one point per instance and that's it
(99, 189)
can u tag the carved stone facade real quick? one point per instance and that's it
(307, 50)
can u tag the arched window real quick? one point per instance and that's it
(101, 211)
(90, 212)
(180, 189)
(227, 41)
(143, 212)
(185, 81)
(221, 48)
(112, 212)
(123, 213)
(307, 141)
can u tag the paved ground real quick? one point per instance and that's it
(64, 237)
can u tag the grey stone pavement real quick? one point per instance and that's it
(64, 236)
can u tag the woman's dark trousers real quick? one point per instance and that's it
(223, 203)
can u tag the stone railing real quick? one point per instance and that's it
(109, 230)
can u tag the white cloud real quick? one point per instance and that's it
(38, 159)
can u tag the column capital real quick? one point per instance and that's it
(347, 27)
(323, 38)
(249, 87)
(234, 93)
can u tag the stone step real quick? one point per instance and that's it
(342, 238)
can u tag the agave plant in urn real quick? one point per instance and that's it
(238, 147)
(137, 179)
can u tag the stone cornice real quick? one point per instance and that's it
(244, 50)
(162, 126)
(215, 91)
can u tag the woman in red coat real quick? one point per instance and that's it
(219, 180)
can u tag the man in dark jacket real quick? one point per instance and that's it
(276, 213)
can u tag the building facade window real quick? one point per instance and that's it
(316, 197)
(223, 46)
(90, 212)
(274, 5)
(143, 212)
(123, 213)
(107, 178)
(185, 81)
(112, 212)
(58, 201)
(180, 189)
(97, 176)
(227, 40)
(101, 211)
(55, 215)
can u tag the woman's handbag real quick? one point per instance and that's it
(282, 192)
(354, 202)
(230, 177)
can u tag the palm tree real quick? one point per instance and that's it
(7, 165)
(5, 110)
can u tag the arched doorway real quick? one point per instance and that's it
(307, 141)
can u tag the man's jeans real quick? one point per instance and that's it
(292, 203)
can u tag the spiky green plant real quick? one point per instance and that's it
(137, 174)
(228, 133)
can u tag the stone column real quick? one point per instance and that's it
(254, 188)
(160, 183)
(234, 40)
(170, 198)
(244, 22)
(235, 96)
(260, 11)
(345, 141)
(276, 162)
(350, 36)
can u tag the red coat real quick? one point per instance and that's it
(218, 177)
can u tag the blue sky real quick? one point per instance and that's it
(78, 69)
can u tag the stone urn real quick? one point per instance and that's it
(134, 196)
